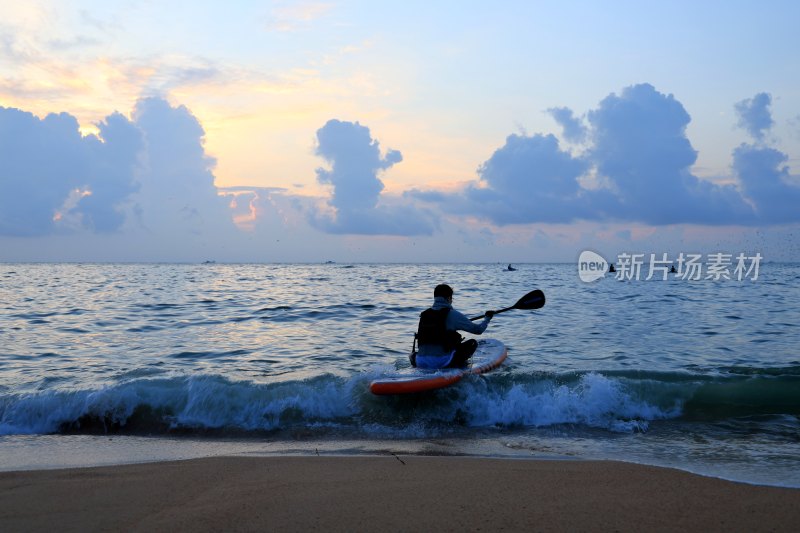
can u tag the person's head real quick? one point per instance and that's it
(445, 291)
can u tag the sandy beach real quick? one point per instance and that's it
(394, 493)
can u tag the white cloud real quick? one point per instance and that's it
(356, 161)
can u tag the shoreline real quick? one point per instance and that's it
(57, 452)
(395, 492)
(24, 453)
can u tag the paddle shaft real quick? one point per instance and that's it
(496, 312)
(532, 300)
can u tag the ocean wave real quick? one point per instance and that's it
(169, 404)
(593, 400)
(616, 402)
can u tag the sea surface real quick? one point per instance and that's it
(130, 362)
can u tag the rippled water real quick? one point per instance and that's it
(704, 375)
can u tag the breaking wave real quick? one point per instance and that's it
(210, 404)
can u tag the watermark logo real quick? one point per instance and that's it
(691, 267)
(591, 266)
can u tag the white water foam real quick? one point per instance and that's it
(596, 401)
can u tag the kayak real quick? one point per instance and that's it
(489, 355)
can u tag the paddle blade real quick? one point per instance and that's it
(532, 300)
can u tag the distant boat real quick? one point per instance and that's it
(209, 262)
(330, 262)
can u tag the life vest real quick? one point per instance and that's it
(433, 330)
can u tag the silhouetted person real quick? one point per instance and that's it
(440, 344)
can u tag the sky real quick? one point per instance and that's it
(469, 131)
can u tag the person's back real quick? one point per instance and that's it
(440, 344)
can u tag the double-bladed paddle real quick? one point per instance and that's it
(532, 300)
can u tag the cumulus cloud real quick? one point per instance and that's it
(572, 127)
(639, 144)
(116, 175)
(177, 194)
(150, 179)
(529, 179)
(150, 173)
(755, 116)
(357, 208)
(636, 167)
(51, 174)
(766, 181)
(763, 171)
(355, 160)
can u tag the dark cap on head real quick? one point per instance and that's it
(443, 290)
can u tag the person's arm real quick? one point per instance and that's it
(455, 320)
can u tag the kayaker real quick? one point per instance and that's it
(440, 344)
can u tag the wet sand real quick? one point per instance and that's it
(387, 493)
